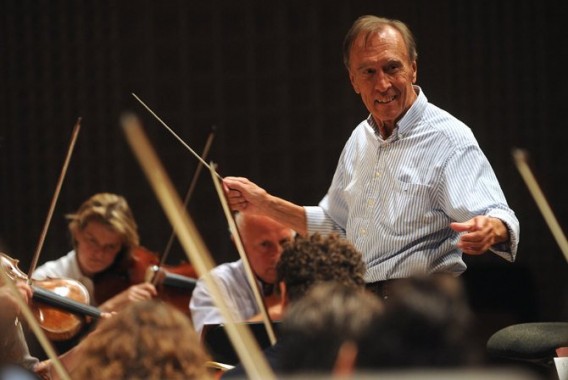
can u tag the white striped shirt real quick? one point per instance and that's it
(395, 198)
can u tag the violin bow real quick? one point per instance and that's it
(34, 325)
(520, 157)
(190, 191)
(241, 249)
(240, 335)
(43, 234)
(173, 133)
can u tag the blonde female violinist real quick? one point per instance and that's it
(105, 257)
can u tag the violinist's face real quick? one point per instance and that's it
(262, 239)
(97, 247)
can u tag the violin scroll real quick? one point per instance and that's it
(10, 266)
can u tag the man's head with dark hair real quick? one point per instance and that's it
(316, 323)
(427, 323)
(317, 326)
(306, 261)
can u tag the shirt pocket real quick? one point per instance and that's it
(408, 207)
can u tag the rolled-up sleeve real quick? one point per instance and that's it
(318, 221)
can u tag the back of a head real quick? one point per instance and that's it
(146, 340)
(315, 327)
(427, 323)
(306, 261)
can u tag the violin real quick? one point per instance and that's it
(59, 305)
(174, 284)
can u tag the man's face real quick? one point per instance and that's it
(381, 71)
(262, 239)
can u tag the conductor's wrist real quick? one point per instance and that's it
(501, 231)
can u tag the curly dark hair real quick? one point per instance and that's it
(306, 261)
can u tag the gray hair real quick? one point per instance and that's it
(370, 24)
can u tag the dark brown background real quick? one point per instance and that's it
(269, 76)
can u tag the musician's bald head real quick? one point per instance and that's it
(262, 238)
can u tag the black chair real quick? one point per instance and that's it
(529, 342)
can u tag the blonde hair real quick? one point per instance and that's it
(111, 210)
(146, 340)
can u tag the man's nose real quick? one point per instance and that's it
(273, 250)
(382, 82)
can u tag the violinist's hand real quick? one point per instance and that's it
(139, 292)
(275, 308)
(43, 370)
(481, 232)
(107, 315)
(25, 290)
(243, 195)
(10, 309)
(275, 312)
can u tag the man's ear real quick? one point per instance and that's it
(354, 83)
(414, 72)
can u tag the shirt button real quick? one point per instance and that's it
(371, 202)
(363, 231)
(377, 174)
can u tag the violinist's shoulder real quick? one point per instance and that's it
(65, 266)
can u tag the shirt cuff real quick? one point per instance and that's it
(506, 250)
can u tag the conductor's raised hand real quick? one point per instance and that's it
(244, 195)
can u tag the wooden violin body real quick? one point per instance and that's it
(56, 323)
(59, 305)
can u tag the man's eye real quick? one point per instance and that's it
(392, 68)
